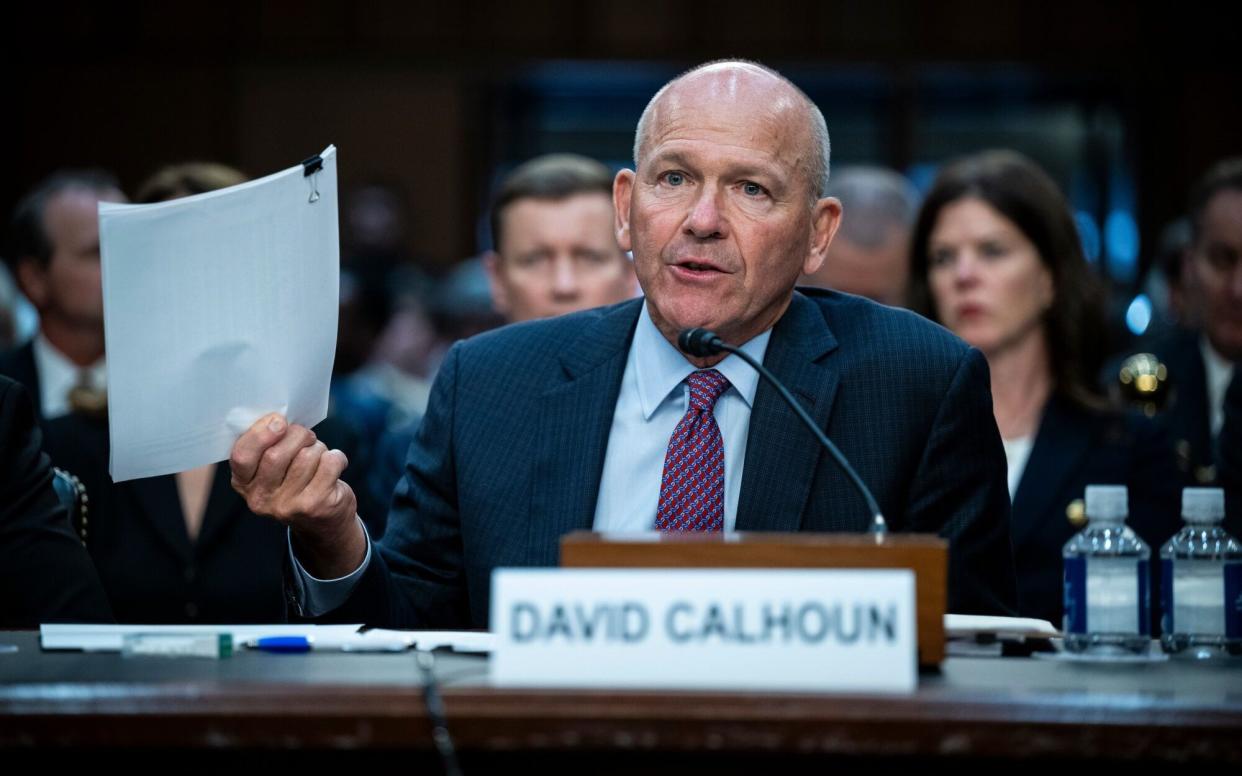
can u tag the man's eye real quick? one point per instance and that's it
(752, 189)
(674, 178)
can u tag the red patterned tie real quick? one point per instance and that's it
(692, 488)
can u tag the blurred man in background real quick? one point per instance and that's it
(1199, 361)
(555, 250)
(870, 255)
(54, 256)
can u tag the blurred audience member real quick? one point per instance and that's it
(381, 375)
(869, 255)
(184, 180)
(1165, 287)
(996, 258)
(555, 245)
(54, 255)
(1199, 358)
(393, 342)
(376, 229)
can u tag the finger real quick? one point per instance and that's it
(322, 489)
(302, 468)
(249, 448)
(274, 463)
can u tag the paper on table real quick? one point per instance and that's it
(458, 641)
(218, 308)
(109, 638)
(961, 625)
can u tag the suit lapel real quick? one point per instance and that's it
(1060, 445)
(781, 454)
(574, 419)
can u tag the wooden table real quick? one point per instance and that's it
(313, 710)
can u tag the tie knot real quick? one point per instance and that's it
(705, 388)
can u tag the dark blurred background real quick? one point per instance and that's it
(1125, 104)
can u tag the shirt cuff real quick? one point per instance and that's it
(316, 596)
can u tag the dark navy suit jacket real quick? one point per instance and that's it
(45, 574)
(19, 364)
(509, 456)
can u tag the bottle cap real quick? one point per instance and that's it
(1107, 503)
(1203, 505)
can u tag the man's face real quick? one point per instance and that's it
(68, 288)
(557, 257)
(720, 213)
(1214, 272)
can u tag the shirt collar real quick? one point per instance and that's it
(1219, 368)
(661, 368)
(57, 375)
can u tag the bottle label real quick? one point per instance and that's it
(1117, 596)
(1233, 600)
(1144, 597)
(1198, 597)
(1075, 595)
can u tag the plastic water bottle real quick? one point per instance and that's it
(1107, 580)
(1202, 602)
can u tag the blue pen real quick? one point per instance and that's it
(284, 644)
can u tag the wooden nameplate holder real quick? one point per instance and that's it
(926, 555)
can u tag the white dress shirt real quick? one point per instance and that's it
(58, 375)
(1017, 453)
(654, 397)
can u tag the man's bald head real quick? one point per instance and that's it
(743, 79)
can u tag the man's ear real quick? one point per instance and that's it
(500, 293)
(33, 282)
(622, 191)
(826, 216)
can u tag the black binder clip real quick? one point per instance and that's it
(311, 166)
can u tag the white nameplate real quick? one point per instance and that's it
(775, 629)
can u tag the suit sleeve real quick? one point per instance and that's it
(46, 574)
(417, 577)
(960, 492)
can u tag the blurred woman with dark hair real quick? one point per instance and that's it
(997, 259)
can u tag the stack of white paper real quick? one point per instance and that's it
(218, 309)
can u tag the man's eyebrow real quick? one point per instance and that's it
(670, 157)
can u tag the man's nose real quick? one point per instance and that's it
(564, 276)
(705, 221)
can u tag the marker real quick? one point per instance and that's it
(281, 644)
(360, 642)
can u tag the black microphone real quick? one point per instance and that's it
(701, 342)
